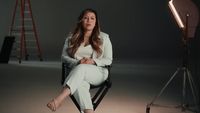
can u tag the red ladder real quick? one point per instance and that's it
(24, 30)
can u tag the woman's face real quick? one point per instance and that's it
(89, 21)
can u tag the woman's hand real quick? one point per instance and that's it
(87, 61)
(82, 60)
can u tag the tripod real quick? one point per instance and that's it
(186, 77)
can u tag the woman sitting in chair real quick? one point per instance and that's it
(86, 51)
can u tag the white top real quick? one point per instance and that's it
(104, 59)
(84, 51)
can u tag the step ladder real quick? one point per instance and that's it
(24, 29)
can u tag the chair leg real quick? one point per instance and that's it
(95, 100)
(100, 98)
(97, 94)
(75, 102)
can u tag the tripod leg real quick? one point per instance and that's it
(162, 90)
(193, 89)
(184, 89)
(148, 109)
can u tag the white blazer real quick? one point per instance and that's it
(105, 58)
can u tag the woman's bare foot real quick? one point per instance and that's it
(53, 105)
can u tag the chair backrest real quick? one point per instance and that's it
(102, 89)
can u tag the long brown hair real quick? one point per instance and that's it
(77, 35)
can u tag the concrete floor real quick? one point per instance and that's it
(27, 87)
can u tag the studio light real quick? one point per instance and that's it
(186, 15)
(176, 15)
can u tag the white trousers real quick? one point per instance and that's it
(79, 80)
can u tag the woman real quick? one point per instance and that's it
(86, 51)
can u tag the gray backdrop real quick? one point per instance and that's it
(137, 28)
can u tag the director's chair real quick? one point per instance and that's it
(101, 91)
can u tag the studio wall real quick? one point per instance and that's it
(137, 29)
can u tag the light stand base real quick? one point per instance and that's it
(183, 106)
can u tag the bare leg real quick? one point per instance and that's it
(57, 101)
(88, 111)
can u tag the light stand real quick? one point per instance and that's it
(184, 68)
